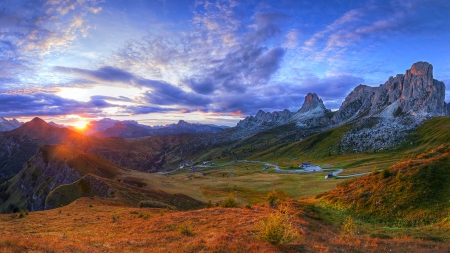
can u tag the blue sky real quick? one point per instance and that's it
(159, 61)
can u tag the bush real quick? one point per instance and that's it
(272, 198)
(185, 228)
(349, 226)
(229, 202)
(375, 170)
(385, 173)
(276, 229)
(115, 218)
(209, 204)
(154, 204)
(144, 216)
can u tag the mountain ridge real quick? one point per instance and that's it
(8, 125)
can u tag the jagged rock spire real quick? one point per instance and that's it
(312, 101)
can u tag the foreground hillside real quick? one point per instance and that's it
(57, 175)
(413, 191)
(98, 225)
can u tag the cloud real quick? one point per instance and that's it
(162, 93)
(44, 104)
(103, 74)
(377, 21)
(329, 87)
(33, 29)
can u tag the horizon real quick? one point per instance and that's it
(158, 62)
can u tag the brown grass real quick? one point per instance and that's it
(81, 228)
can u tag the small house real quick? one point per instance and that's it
(305, 165)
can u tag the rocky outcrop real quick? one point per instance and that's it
(312, 113)
(416, 93)
(312, 101)
(358, 102)
(266, 119)
(8, 125)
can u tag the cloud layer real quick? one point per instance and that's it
(222, 56)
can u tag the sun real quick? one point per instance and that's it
(80, 125)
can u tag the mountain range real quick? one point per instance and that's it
(131, 130)
(6, 125)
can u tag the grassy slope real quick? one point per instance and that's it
(415, 191)
(57, 157)
(99, 225)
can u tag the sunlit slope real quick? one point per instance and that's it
(413, 191)
(432, 134)
(54, 166)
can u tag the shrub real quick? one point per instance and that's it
(385, 173)
(276, 229)
(272, 198)
(144, 216)
(375, 170)
(209, 204)
(115, 218)
(230, 201)
(349, 226)
(185, 228)
(154, 204)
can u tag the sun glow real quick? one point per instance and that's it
(80, 125)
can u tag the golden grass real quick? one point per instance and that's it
(87, 225)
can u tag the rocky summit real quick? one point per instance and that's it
(383, 116)
(416, 94)
(312, 101)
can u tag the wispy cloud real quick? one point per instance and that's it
(376, 21)
(44, 104)
(34, 29)
(162, 93)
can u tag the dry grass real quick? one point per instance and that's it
(81, 228)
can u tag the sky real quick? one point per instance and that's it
(160, 61)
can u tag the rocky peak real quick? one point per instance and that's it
(312, 101)
(183, 123)
(266, 118)
(421, 68)
(119, 125)
(7, 125)
(416, 93)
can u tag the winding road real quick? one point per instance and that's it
(277, 169)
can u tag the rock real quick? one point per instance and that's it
(266, 119)
(416, 93)
(8, 125)
(312, 101)
(355, 104)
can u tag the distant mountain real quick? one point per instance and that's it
(128, 130)
(57, 175)
(21, 143)
(105, 123)
(7, 125)
(146, 154)
(312, 113)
